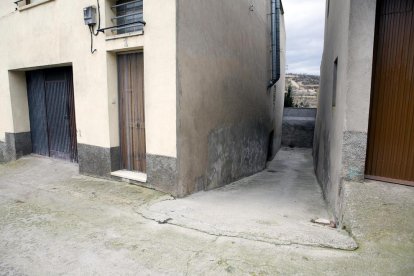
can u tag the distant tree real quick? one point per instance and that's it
(288, 97)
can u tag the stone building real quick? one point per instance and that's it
(170, 94)
(365, 127)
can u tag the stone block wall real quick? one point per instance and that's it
(298, 127)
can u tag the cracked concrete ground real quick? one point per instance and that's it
(274, 206)
(54, 221)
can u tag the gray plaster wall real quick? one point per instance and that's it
(298, 127)
(225, 112)
(235, 152)
(100, 162)
(162, 173)
(341, 130)
(15, 146)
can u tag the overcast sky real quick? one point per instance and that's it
(305, 21)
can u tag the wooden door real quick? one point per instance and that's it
(52, 113)
(131, 111)
(390, 155)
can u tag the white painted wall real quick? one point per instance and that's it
(279, 89)
(53, 33)
(349, 36)
(160, 76)
(330, 120)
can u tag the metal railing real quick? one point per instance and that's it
(129, 17)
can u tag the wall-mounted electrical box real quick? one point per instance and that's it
(89, 15)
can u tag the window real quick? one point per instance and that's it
(335, 77)
(128, 14)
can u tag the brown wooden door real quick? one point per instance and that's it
(131, 111)
(390, 155)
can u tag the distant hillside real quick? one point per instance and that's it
(304, 78)
(305, 89)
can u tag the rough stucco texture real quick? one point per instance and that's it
(235, 152)
(162, 173)
(97, 161)
(354, 144)
(15, 146)
(225, 111)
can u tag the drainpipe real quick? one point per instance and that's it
(275, 19)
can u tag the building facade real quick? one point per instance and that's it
(364, 127)
(170, 94)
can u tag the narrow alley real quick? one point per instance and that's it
(274, 206)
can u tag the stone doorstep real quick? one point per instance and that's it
(131, 175)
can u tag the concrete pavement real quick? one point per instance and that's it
(274, 206)
(56, 222)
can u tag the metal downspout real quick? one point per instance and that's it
(275, 22)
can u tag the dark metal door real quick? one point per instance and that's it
(131, 111)
(51, 105)
(58, 119)
(390, 155)
(37, 112)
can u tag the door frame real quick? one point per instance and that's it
(141, 173)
